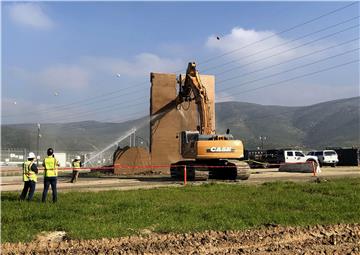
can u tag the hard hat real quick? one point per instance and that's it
(31, 155)
(77, 157)
(50, 151)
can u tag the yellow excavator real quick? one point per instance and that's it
(203, 149)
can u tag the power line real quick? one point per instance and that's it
(114, 108)
(299, 46)
(280, 82)
(256, 61)
(107, 108)
(290, 49)
(312, 53)
(279, 33)
(290, 60)
(299, 76)
(70, 105)
(207, 60)
(74, 123)
(97, 97)
(122, 105)
(287, 80)
(282, 44)
(288, 70)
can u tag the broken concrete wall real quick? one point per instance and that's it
(169, 119)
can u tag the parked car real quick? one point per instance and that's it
(325, 157)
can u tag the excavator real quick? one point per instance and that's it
(203, 149)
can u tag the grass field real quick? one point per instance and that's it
(192, 208)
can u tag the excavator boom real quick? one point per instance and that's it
(193, 85)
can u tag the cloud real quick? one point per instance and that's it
(139, 65)
(55, 77)
(240, 42)
(13, 112)
(238, 76)
(64, 76)
(31, 15)
(91, 70)
(83, 78)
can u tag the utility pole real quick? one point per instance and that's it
(38, 144)
(262, 139)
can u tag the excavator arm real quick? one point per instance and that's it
(192, 85)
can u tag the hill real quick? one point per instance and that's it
(333, 123)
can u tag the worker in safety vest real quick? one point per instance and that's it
(76, 164)
(50, 175)
(29, 177)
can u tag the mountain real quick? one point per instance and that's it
(83, 136)
(333, 123)
(329, 124)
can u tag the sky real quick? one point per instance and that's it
(75, 61)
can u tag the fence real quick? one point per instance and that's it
(16, 156)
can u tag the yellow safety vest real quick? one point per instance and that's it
(76, 164)
(28, 174)
(50, 164)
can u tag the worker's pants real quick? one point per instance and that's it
(28, 185)
(75, 175)
(47, 182)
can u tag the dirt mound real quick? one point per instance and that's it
(134, 158)
(335, 239)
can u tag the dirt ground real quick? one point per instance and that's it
(334, 239)
(107, 182)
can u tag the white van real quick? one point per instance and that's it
(326, 157)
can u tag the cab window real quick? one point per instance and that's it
(299, 154)
(289, 153)
(329, 153)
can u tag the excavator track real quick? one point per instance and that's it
(232, 170)
(242, 169)
(177, 171)
(219, 170)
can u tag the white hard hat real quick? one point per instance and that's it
(31, 155)
(77, 157)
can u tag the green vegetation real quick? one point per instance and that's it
(192, 208)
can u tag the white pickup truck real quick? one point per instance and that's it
(291, 157)
(294, 156)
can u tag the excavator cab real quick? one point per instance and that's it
(188, 143)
